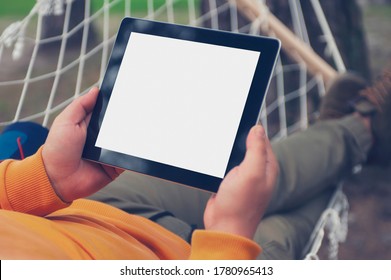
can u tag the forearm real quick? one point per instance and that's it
(25, 187)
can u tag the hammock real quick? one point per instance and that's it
(61, 48)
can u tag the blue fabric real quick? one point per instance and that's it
(32, 136)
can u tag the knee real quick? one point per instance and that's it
(283, 237)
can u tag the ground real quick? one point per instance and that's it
(369, 235)
(369, 192)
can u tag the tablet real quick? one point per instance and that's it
(177, 102)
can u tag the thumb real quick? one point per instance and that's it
(78, 110)
(256, 153)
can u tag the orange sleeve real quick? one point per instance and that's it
(25, 187)
(213, 245)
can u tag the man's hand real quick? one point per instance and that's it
(71, 176)
(245, 192)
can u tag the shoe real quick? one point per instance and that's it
(379, 97)
(349, 93)
(339, 96)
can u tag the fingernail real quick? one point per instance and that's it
(259, 131)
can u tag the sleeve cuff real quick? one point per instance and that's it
(213, 245)
(27, 188)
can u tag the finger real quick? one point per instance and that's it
(256, 137)
(88, 100)
(256, 154)
(119, 170)
(272, 167)
(80, 108)
(112, 172)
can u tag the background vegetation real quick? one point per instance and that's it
(22, 7)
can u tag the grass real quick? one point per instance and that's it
(380, 11)
(22, 7)
(16, 8)
(142, 5)
(377, 20)
(37, 97)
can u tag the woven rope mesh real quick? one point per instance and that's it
(60, 50)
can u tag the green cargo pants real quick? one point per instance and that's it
(311, 163)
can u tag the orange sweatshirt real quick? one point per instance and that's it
(36, 224)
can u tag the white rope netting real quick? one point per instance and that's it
(61, 48)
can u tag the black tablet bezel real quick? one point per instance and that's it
(269, 49)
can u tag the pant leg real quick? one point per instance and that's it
(283, 236)
(311, 163)
(176, 207)
(312, 160)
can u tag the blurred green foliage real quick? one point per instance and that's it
(22, 7)
(18, 7)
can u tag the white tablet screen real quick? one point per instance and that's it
(178, 102)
